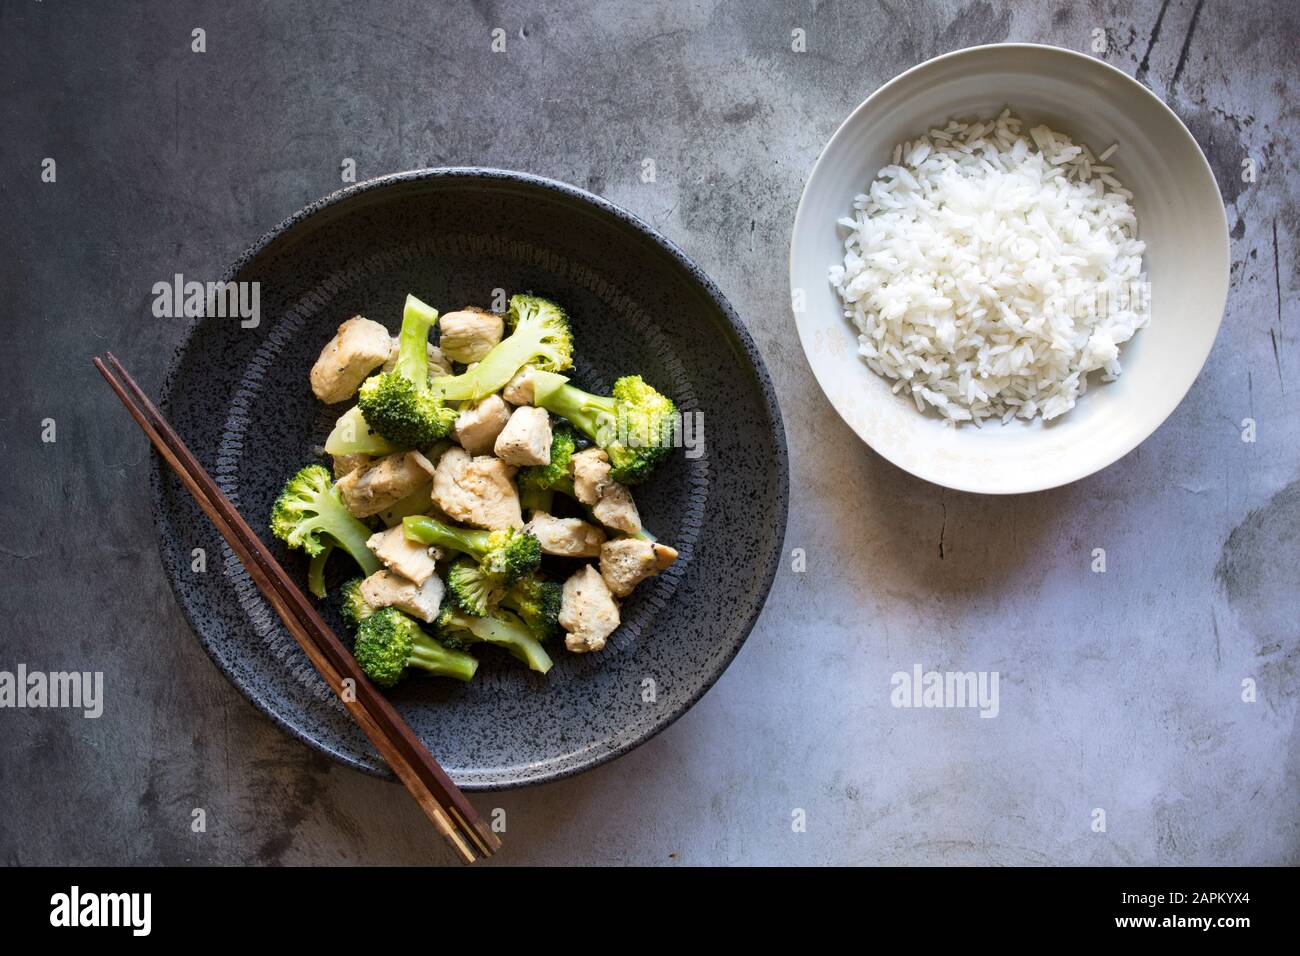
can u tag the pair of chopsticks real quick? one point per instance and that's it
(440, 799)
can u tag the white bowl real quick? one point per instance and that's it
(1180, 216)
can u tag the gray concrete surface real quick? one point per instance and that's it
(1120, 691)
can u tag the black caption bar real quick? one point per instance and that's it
(339, 905)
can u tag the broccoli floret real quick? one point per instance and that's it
(536, 481)
(501, 628)
(388, 642)
(503, 556)
(533, 498)
(635, 426)
(354, 608)
(399, 404)
(537, 602)
(539, 337)
(563, 445)
(352, 436)
(310, 514)
(472, 591)
(316, 571)
(510, 554)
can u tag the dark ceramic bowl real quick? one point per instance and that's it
(241, 399)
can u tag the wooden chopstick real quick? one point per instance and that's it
(448, 809)
(319, 642)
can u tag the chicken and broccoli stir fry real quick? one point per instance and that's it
(483, 497)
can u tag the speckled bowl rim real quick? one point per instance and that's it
(475, 174)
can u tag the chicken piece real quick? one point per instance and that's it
(357, 349)
(664, 556)
(566, 537)
(398, 553)
(344, 465)
(477, 491)
(368, 491)
(477, 426)
(626, 562)
(438, 363)
(386, 589)
(418, 502)
(519, 390)
(588, 612)
(469, 334)
(609, 501)
(590, 475)
(526, 439)
(617, 510)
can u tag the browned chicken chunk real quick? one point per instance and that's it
(411, 559)
(477, 491)
(346, 464)
(626, 562)
(386, 589)
(477, 426)
(609, 501)
(588, 612)
(519, 390)
(372, 489)
(357, 349)
(566, 537)
(469, 334)
(526, 439)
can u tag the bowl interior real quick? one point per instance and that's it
(1180, 216)
(241, 398)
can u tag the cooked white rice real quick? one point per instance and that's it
(989, 271)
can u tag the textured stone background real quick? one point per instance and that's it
(1120, 690)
